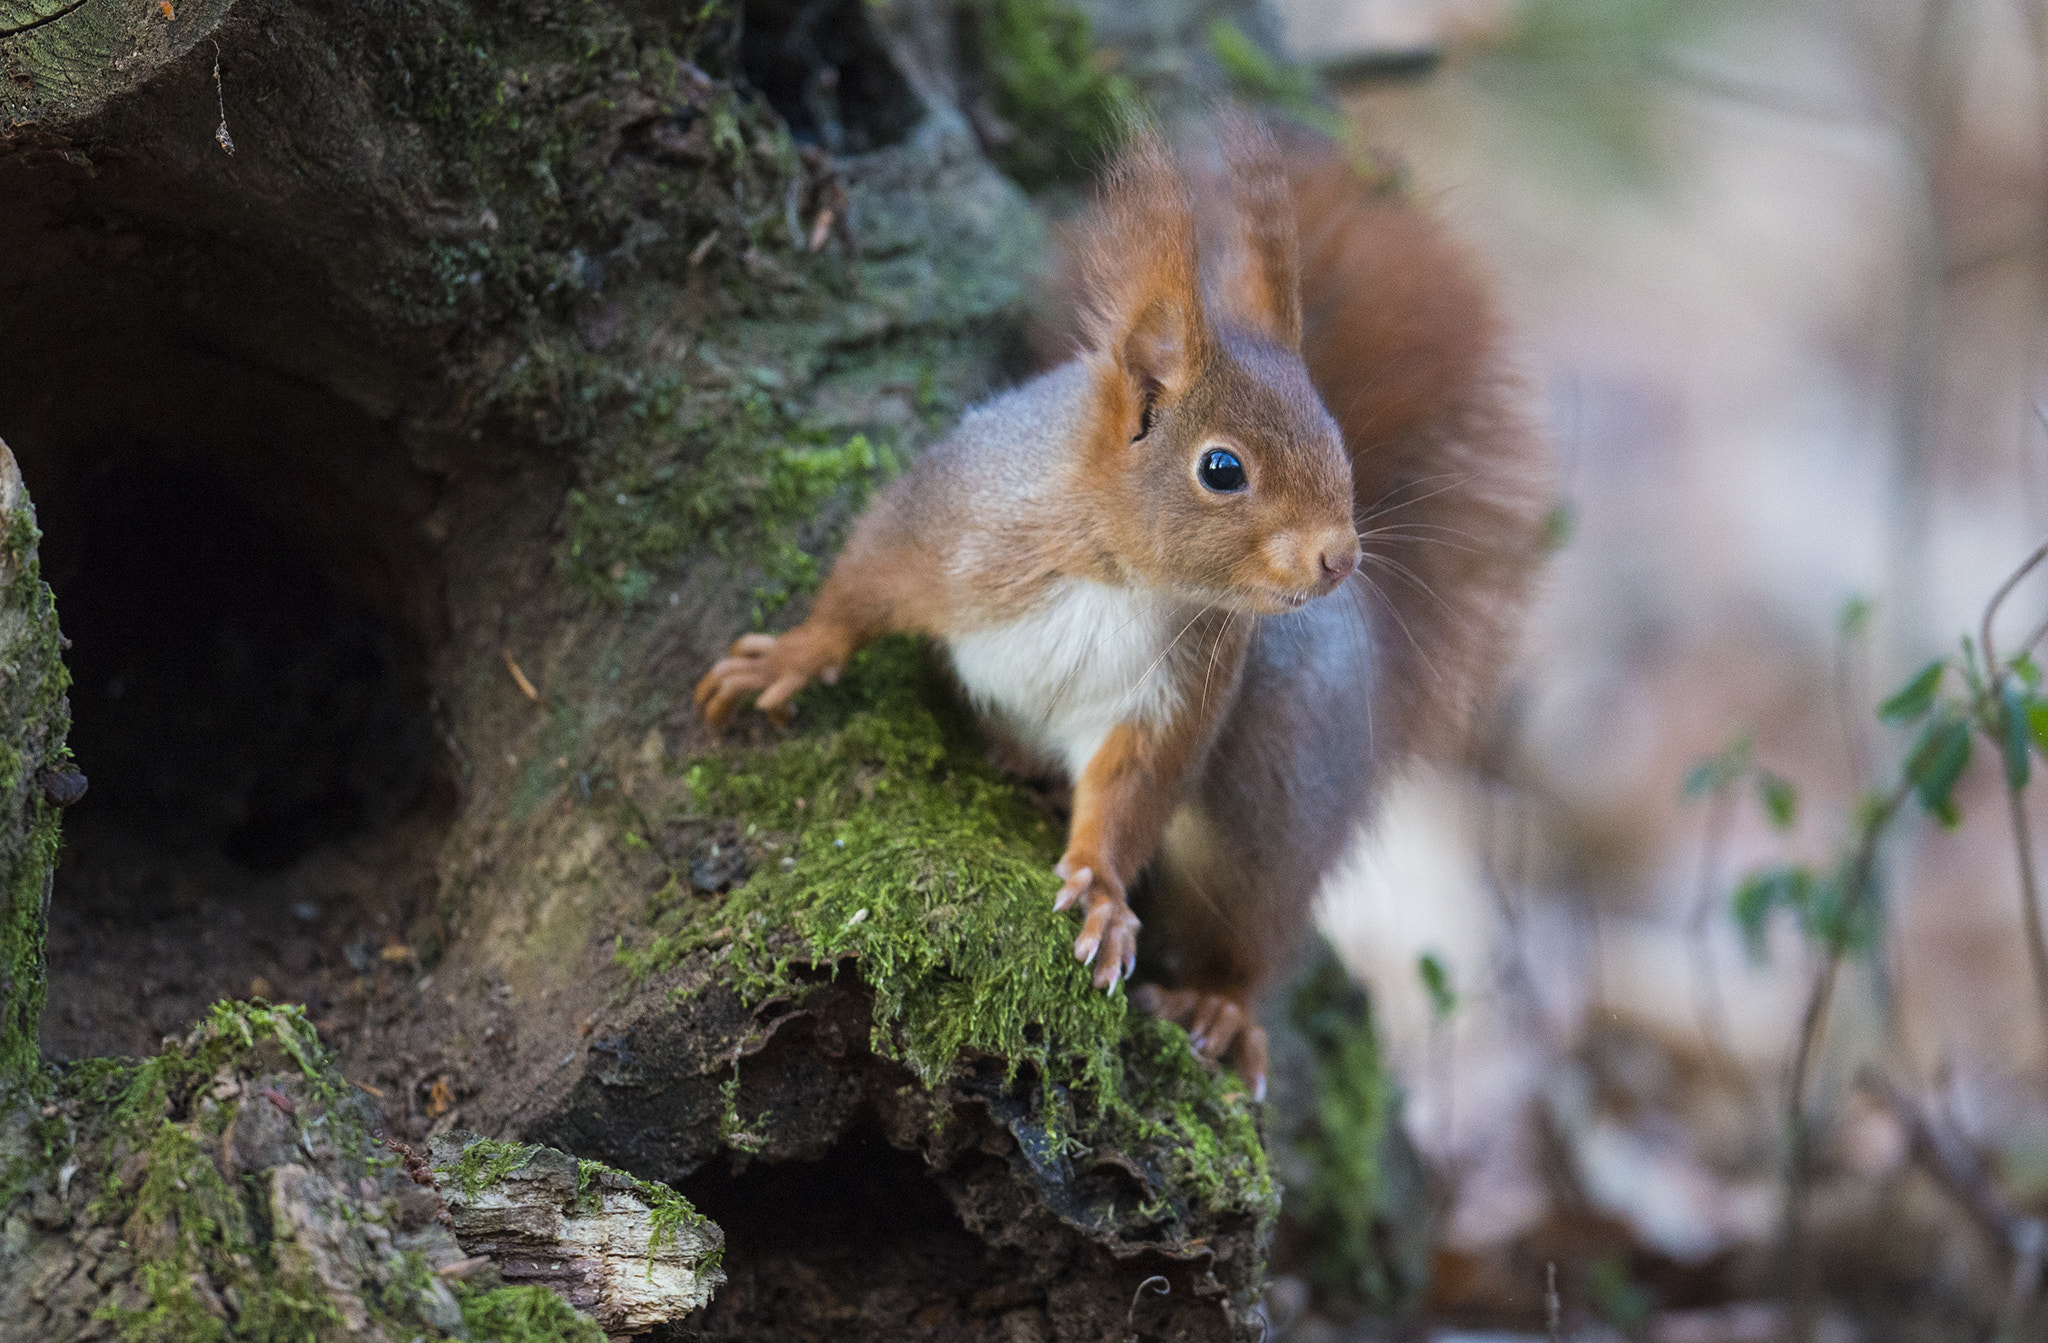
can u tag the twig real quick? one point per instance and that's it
(2005, 589)
(2016, 803)
(1498, 816)
(1713, 1012)
(1956, 1167)
(1852, 706)
(1813, 1022)
(1553, 1307)
(525, 686)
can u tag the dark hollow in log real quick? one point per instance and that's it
(246, 575)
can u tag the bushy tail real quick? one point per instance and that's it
(1452, 483)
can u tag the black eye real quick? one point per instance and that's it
(1221, 471)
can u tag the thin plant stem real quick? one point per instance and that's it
(1713, 1012)
(1812, 1024)
(2016, 803)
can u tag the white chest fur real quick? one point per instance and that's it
(1089, 658)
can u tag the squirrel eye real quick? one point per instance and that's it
(1221, 472)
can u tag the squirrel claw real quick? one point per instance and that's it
(769, 668)
(1218, 1024)
(1109, 937)
(1077, 882)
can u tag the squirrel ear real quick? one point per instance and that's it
(1138, 251)
(1155, 350)
(1258, 275)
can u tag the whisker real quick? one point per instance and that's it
(1379, 507)
(1067, 682)
(1146, 675)
(1405, 528)
(1398, 533)
(1395, 612)
(1358, 629)
(1404, 571)
(1215, 648)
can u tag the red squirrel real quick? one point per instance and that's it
(1264, 536)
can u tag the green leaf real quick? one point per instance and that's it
(1911, 701)
(2013, 736)
(1700, 781)
(1829, 919)
(1937, 762)
(2037, 724)
(1780, 798)
(2027, 670)
(1762, 892)
(1436, 981)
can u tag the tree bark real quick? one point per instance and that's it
(565, 338)
(35, 778)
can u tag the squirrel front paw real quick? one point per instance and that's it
(775, 667)
(1109, 931)
(1219, 1024)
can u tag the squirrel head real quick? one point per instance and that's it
(1215, 467)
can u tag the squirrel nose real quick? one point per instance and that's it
(1337, 568)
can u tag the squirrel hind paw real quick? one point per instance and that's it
(1219, 1026)
(750, 668)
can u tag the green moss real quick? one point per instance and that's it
(754, 484)
(23, 934)
(1260, 76)
(525, 1315)
(184, 1216)
(205, 1263)
(486, 1161)
(668, 1213)
(525, 110)
(887, 841)
(1202, 1122)
(911, 856)
(34, 718)
(1059, 94)
(1341, 1193)
(129, 1101)
(208, 1268)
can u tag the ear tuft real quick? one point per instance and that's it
(1257, 276)
(1137, 251)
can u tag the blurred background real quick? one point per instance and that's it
(1775, 276)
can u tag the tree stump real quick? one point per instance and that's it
(512, 359)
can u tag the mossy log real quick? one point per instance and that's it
(36, 778)
(235, 1186)
(565, 337)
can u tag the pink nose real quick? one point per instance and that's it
(1337, 568)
